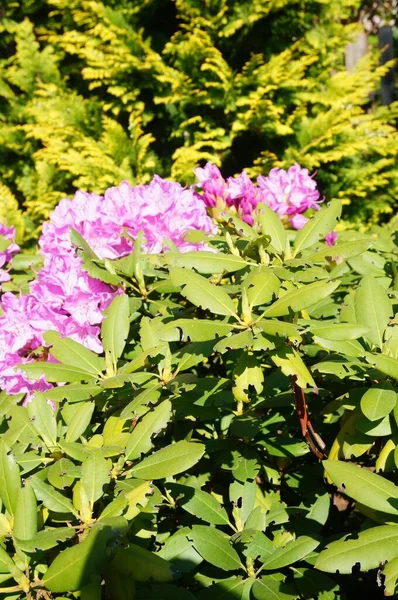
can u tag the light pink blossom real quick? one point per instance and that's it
(8, 250)
(64, 297)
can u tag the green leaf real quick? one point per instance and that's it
(214, 546)
(279, 328)
(51, 499)
(199, 503)
(349, 347)
(302, 298)
(337, 332)
(291, 553)
(71, 353)
(207, 262)
(291, 363)
(140, 439)
(247, 373)
(53, 372)
(74, 567)
(370, 549)
(42, 416)
(271, 225)
(368, 488)
(62, 473)
(46, 539)
(318, 226)
(383, 363)
(201, 292)
(80, 421)
(96, 472)
(170, 460)
(373, 309)
(345, 250)
(378, 402)
(74, 392)
(192, 355)
(10, 479)
(25, 518)
(115, 329)
(195, 330)
(178, 550)
(244, 339)
(272, 587)
(390, 572)
(227, 589)
(261, 285)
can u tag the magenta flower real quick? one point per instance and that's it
(331, 238)
(290, 193)
(66, 298)
(8, 249)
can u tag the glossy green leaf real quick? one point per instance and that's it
(199, 503)
(10, 479)
(261, 285)
(80, 421)
(46, 539)
(139, 441)
(73, 567)
(54, 373)
(291, 553)
(364, 486)
(214, 546)
(51, 499)
(323, 222)
(349, 347)
(72, 353)
(96, 472)
(383, 363)
(291, 363)
(195, 330)
(273, 587)
(345, 250)
(180, 551)
(247, 374)
(25, 517)
(390, 572)
(369, 548)
(234, 588)
(201, 292)
(43, 418)
(115, 329)
(303, 297)
(272, 226)
(170, 460)
(373, 309)
(337, 332)
(378, 402)
(206, 262)
(62, 473)
(73, 392)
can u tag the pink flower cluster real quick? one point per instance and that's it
(8, 249)
(63, 296)
(289, 193)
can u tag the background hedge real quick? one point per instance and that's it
(93, 93)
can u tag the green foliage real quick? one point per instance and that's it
(97, 92)
(175, 464)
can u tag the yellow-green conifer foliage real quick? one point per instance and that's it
(97, 92)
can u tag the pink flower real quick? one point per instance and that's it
(7, 251)
(66, 298)
(290, 192)
(331, 238)
(212, 184)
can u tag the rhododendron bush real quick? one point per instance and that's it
(199, 396)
